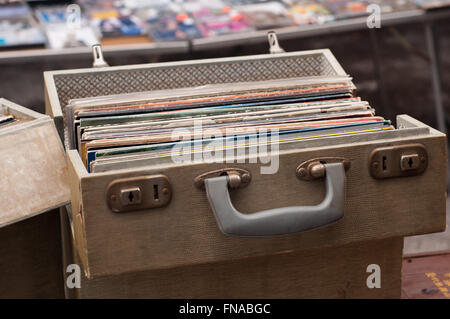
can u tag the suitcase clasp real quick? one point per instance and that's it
(314, 168)
(237, 177)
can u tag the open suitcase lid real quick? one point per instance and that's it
(33, 168)
(102, 80)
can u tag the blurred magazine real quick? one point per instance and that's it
(112, 18)
(169, 23)
(394, 5)
(309, 12)
(55, 21)
(432, 4)
(214, 17)
(266, 15)
(344, 9)
(143, 4)
(17, 26)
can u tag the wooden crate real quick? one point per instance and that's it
(33, 181)
(31, 264)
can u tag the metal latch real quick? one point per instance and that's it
(236, 177)
(314, 168)
(99, 61)
(138, 193)
(398, 161)
(274, 46)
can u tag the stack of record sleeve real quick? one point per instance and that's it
(138, 129)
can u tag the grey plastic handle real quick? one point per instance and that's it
(278, 221)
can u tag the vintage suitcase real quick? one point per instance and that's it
(33, 182)
(166, 247)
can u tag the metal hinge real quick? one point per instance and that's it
(99, 61)
(274, 46)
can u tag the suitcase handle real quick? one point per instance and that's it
(278, 221)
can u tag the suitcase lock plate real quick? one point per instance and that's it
(138, 193)
(398, 161)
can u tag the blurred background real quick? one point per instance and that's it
(394, 67)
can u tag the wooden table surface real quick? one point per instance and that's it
(426, 276)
